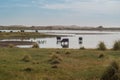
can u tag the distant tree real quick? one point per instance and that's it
(33, 26)
(35, 45)
(101, 46)
(100, 27)
(116, 45)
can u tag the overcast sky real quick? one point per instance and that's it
(60, 12)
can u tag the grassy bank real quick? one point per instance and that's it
(34, 64)
(18, 27)
(22, 35)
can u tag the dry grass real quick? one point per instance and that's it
(22, 35)
(79, 65)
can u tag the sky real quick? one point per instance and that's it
(60, 12)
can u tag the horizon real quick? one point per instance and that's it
(60, 12)
(75, 26)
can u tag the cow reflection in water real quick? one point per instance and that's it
(65, 43)
(58, 40)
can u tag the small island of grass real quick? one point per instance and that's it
(23, 35)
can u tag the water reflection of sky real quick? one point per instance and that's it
(89, 40)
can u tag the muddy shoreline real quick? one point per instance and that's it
(15, 43)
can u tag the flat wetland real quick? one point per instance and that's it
(22, 35)
(36, 64)
(54, 63)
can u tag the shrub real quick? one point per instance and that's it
(100, 55)
(55, 61)
(67, 53)
(54, 66)
(11, 45)
(55, 58)
(101, 46)
(114, 65)
(116, 45)
(57, 52)
(35, 45)
(35, 62)
(82, 48)
(111, 72)
(28, 69)
(27, 58)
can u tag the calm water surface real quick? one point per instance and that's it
(90, 39)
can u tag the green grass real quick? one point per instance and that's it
(78, 65)
(22, 35)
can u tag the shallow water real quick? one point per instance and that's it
(90, 38)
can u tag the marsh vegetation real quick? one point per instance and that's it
(56, 64)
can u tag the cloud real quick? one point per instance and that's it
(102, 6)
(84, 6)
(81, 12)
(16, 3)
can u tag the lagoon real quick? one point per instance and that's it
(90, 39)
